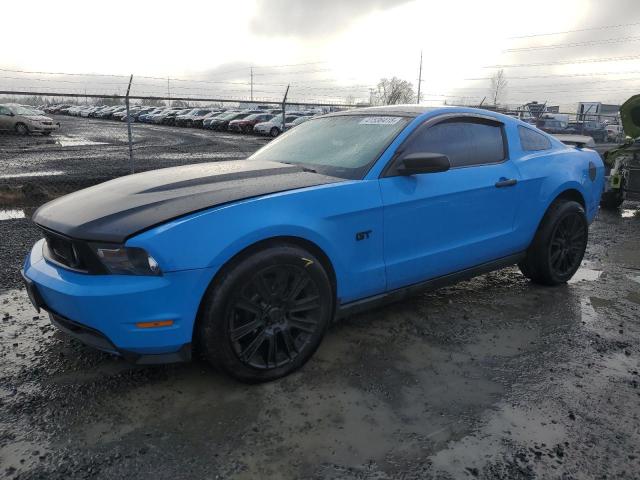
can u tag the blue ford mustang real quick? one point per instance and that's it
(250, 260)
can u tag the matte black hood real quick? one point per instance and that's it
(120, 208)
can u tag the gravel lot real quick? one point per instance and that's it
(490, 378)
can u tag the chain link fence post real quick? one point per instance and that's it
(126, 101)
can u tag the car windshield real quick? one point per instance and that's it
(23, 111)
(343, 146)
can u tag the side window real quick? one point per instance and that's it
(465, 142)
(532, 141)
(4, 111)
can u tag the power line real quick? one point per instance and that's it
(243, 69)
(534, 85)
(58, 80)
(594, 74)
(300, 72)
(589, 43)
(567, 62)
(605, 27)
(193, 99)
(555, 90)
(63, 73)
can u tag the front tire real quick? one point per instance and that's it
(266, 314)
(558, 247)
(274, 132)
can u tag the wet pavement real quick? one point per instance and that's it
(490, 378)
(88, 151)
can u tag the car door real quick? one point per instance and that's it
(439, 223)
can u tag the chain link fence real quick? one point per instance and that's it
(50, 146)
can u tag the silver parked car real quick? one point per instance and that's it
(24, 120)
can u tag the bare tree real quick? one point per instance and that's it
(154, 103)
(179, 103)
(498, 85)
(394, 91)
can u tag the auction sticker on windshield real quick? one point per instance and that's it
(379, 120)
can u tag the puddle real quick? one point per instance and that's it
(66, 141)
(628, 213)
(41, 173)
(11, 214)
(22, 455)
(585, 274)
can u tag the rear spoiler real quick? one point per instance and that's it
(578, 141)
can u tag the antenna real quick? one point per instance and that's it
(420, 77)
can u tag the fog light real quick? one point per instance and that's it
(156, 324)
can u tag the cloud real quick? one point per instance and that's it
(297, 18)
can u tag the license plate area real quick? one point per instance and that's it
(32, 292)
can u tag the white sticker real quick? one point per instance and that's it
(379, 120)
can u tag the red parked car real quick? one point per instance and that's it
(246, 124)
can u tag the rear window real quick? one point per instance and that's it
(532, 141)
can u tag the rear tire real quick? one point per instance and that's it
(266, 314)
(558, 247)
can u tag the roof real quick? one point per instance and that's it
(404, 110)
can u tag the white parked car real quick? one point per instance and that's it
(297, 121)
(23, 120)
(274, 126)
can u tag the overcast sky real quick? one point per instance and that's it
(335, 48)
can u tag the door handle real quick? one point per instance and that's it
(503, 182)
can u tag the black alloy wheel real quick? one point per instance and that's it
(567, 245)
(265, 313)
(559, 244)
(275, 316)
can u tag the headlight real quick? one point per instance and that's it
(121, 260)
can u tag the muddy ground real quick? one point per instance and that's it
(491, 378)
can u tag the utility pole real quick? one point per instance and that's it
(126, 102)
(284, 101)
(252, 84)
(419, 78)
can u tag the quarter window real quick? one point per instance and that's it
(532, 141)
(465, 142)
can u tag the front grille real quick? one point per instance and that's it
(61, 250)
(85, 334)
(70, 253)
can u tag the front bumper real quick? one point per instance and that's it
(103, 310)
(39, 127)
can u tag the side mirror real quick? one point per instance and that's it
(423, 162)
